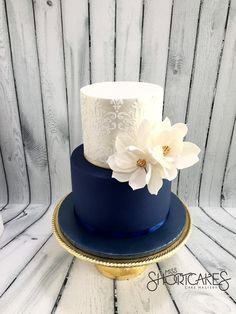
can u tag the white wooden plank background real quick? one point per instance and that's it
(211, 34)
(188, 301)
(52, 73)
(25, 60)
(3, 184)
(143, 300)
(224, 112)
(102, 40)
(229, 186)
(156, 26)
(180, 62)
(11, 138)
(129, 16)
(48, 50)
(76, 42)
(99, 286)
(23, 248)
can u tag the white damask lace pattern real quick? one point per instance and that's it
(104, 119)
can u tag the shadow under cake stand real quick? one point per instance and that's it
(121, 268)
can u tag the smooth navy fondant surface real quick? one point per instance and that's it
(122, 248)
(110, 206)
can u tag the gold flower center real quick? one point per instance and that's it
(141, 163)
(166, 150)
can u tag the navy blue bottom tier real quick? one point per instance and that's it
(112, 208)
(131, 247)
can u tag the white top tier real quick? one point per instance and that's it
(109, 108)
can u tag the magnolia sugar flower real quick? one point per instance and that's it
(155, 153)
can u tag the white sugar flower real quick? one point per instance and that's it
(135, 165)
(169, 149)
(133, 160)
(155, 153)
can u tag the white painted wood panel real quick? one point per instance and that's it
(3, 184)
(17, 225)
(190, 301)
(52, 73)
(208, 51)
(76, 41)
(182, 44)
(221, 216)
(1, 225)
(134, 297)
(10, 131)
(86, 290)
(214, 230)
(231, 211)
(25, 61)
(129, 16)
(215, 260)
(229, 184)
(156, 27)
(180, 61)
(36, 288)
(102, 37)
(224, 112)
(11, 211)
(23, 248)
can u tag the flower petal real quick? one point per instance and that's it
(161, 138)
(137, 152)
(121, 162)
(155, 182)
(121, 177)
(125, 160)
(181, 129)
(189, 155)
(112, 162)
(166, 124)
(138, 179)
(148, 173)
(170, 173)
(156, 151)
(176, 145)
(157, 154)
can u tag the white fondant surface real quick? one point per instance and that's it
(110, 108)
(122, 89)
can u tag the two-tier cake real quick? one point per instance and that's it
(101, 202)
(121, 175)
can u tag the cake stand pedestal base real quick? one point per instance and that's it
(121, 273)
(121, 268)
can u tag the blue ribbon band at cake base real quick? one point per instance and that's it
(121, 234)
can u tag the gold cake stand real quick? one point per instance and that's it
(121, 268)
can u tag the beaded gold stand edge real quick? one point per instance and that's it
(121, 263)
